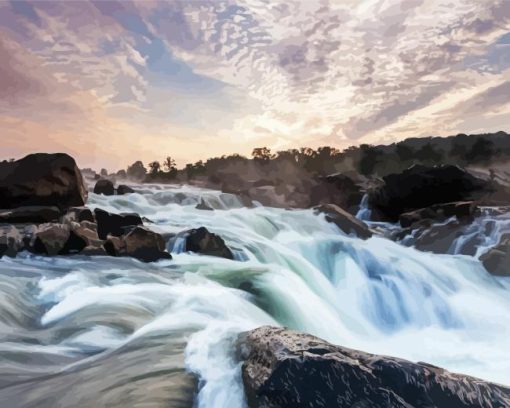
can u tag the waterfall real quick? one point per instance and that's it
(364, 213)
(293, 269)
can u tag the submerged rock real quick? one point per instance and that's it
(202, 205)
(115, 224)
(344, 220)
(202, 241)
(286, 369)
(105, 187)
(123, 189)
(30, 215)
(41, 180)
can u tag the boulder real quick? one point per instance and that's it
(79, 214)
(202, 241)
(439, 238)
(11, 241)
(41, 180)
(202, 205)
(51, 239)
(423, 186)
(463, 211)
(146, 245)
(286, 369)
(343, 220)
(115, 224)
(114, 246)
(30, 215)
(497, 260)
(339, 189)
(105, 187)
(123, 189)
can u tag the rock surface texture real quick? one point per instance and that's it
(286, 369)
(344, 220)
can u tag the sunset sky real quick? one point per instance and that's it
(114, 81)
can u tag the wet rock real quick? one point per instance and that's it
(343, 220)
(339, 189)
(105, 187)
(423, 186)
(497, 259)
(11, 241)
(146, 245)
(94, 250)
(79, 214)
(202, 241)
(115, 224)
(202, 205)
(30, 215)
(114, 246)
(439, 238)
(123, 189)
(51, 239)
(286, 369)
(464, 211)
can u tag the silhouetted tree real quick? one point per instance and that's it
(104, 172)
(154, 168)
(404, 152)
(169, 164)
(368, 160)
(428, 153)
(482, 150)
(137, 171)
(261, 154)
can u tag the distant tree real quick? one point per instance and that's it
(368, 159)
(154, 168)
(169, 164)
(137, 171)
(482, 150)
(459, 149)
(404, 152)
(261, 154)
(428, 153)
(104, 172)
(121, 174)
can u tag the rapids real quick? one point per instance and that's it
(115, 331)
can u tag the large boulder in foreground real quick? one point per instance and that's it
(423, 186)
(287, 369)
(344, 220)
(115, 224)
(202, 241)
(41, 179)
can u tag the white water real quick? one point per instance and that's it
(298, 271)
(364, 213)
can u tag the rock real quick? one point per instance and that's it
(11, 241)
(114, 246)
(145, 245)
(463, 211)
(423, 186)
(51, 239)
(343, 220)
(123, 189)
(115, 224)
(286, 369)
(497, 260)
(79, 214)
(93, 250)
(105, 187)
(30, 215)
(41, 180)
(439, 238)
(202, 241)
(339, 189)
(203, 206)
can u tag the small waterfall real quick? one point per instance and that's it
(364, 213)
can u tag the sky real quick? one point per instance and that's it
(111, 82)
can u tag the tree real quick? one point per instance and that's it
(136, 171)
(169, 164)
(369, 158)
(428, 153)
(262, 154)
(104, 172)
(154, 168)
(404, 152)
(482, 150)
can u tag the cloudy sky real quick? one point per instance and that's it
(114, 81)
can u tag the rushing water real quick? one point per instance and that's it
(105, 331)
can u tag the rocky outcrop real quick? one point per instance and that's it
(463, 211)
(41, 180)
(344, 220)
(202, 241)
(115, 224)
(51, 239)
(29, 215)
(105, 187)
(422, 186)
(339, 189)
(286, 369)
(497, 259)
(122, 189)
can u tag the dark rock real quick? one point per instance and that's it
(123, 189)
(439, 238)
(114, 246)
(287, 369)
(145, 245)
(11, 241)
(203, 206)
(94, 250)
(41, 180)
(422, 186)
(51, 239)
(115, 224)
(79, 214)
(202, 241)
(105, 187)
(497, 259)
(463, 211)
(339, 189)
(29, 215)
(343, 220)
